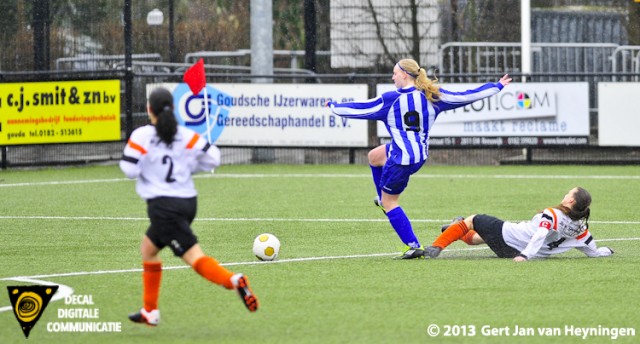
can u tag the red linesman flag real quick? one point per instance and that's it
(195, 78)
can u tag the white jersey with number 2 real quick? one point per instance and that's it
(165, 170)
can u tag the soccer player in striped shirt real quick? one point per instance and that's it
(408, 113)
(163, 156)
(553, 231)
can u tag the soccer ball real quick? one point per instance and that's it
(266, 246)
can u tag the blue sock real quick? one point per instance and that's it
(376, 172)
(400, 222)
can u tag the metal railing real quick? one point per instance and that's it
(176, 67)
(100, 62)
(233, 61)
(499, 57)
(626, 59)
(242, 56)
(78, 153)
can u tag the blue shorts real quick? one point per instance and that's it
(396, 177)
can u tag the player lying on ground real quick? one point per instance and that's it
(554, 230)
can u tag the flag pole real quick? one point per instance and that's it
(195, 77)
(206, 114)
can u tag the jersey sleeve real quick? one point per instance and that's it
(535, 243)
(133, 152)
(369, 109)
(590, 248)
(209, 160)
(207, 156)
(451, 100)
(547, 222)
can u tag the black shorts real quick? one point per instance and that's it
(171, 219)
(490, 230)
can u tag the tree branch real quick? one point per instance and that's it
(376, 23)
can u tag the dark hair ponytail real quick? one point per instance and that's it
(161, 104)
(580, 209)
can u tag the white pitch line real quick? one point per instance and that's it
(65, 290)
(334, 175)
(617, 239)
(279, 261)
(211, 219)
(253, 219)
(97, 218)
(66, 182)
(454, 176)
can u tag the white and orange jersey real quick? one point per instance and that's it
(550, 232)
(165, 170)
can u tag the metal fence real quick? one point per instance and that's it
(95, 40)
(626, 59)
(145, 72)
(94, 62)
(110, 152)
(551, 62)
(558, 59)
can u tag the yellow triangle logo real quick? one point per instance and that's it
(28, 303)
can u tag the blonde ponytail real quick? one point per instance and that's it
(430, 88)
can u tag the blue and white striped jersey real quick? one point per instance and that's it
(408, 116)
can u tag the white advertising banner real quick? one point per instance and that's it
(270, 114)
(522, 113)
(618, 119)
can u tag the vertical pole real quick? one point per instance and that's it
(525, 37)
(207, 114)
(3, 164)
(41, 34)
(310, 35)
(38, 44)
(262, 39)
(172, 43)
(47, 30)
(262, 58)
(128, 63)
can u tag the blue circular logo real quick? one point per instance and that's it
(191, 111)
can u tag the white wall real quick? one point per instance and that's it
(354, 39)
(618, 114)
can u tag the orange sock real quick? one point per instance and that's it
(455, 232)
(210, 269)
(151, 276)
(468, 238)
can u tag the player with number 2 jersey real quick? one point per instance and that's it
(165, 170)
(162, 156)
